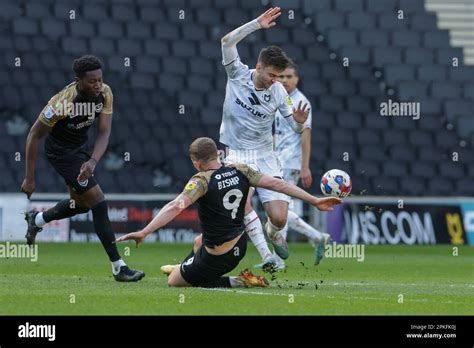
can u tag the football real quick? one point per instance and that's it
(336, 182)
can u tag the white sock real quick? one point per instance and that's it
(299, 225)
(116, 266)
(284, 232)
(235, 282)
(39, 221)
(254, 230)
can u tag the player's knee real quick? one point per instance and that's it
(278, 221)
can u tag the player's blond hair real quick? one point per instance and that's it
(203, 149)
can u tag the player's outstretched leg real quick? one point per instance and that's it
(254, 230)
(319, 239)
(277, 214)
(102, 226)
(36, 220)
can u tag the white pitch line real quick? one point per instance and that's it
(424, 300)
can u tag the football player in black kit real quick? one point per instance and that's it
(65, 122)
(220, 192)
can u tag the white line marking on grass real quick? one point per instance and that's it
(386, 299)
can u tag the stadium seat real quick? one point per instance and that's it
(429, 153)
(436, 39)
(82, 28)
(415, 186)
(423, 21)
(412, 6)
(99, 46)
(423, 169)
(185, 49)
(356, 54)
(53, 29)
(462, 73)
(193, 32)
(151, 14)
(447, 140)
(394, 168)
(208, 16)
(386, 55)
(457, 107)
(397, 72)
(123, 13)
(445, 90)
(129, 47)
(93, 11)
(412, 91)
(440, 186)
(111, 29)
(326, 20)
(360, 20)
(368, 168)
(402, 153)
(444, 56)
(374, 38)
(395, 137)
(431, 73)
(406, 38)
(418, 56)
(341, 38)
(385, 186)
(371, 152)
(311, 6)
(381, 5)
(390, 21)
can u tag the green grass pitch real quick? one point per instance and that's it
(75, 279)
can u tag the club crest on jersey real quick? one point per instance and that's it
(83, 183)
(288, 100)
(99, 107)
(191, 185)
(266, 97)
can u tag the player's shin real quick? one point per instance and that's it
(103, 228)
(254, 230)
(62, 210)
(299, 225)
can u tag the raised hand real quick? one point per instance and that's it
(301, 114)
(267, 19)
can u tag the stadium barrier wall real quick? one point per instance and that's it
(364, 220)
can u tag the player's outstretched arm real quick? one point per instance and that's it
(274, 184)
(229, 42)
(38, 131)
(166, 214)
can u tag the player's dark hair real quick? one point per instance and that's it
(294, 66)
(84, 64)
(203, 149)
(273, 56)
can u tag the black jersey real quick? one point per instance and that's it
(71, 114)
(221, 195)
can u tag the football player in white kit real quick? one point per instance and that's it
(294, 152)
(252, 99)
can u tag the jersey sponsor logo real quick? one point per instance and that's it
(254, 99)
(253, 111)
(288, 100)
(191, 185)
(49, 112)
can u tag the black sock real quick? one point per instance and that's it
(62, 210)
(222, 282)
(103, 228)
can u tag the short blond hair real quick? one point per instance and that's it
(203, 149)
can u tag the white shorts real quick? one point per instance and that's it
(291, 176)
(266, 163)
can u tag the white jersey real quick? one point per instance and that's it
(287, 141)
(249, 113)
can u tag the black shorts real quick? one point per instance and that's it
(67, 162)
(203, 267)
